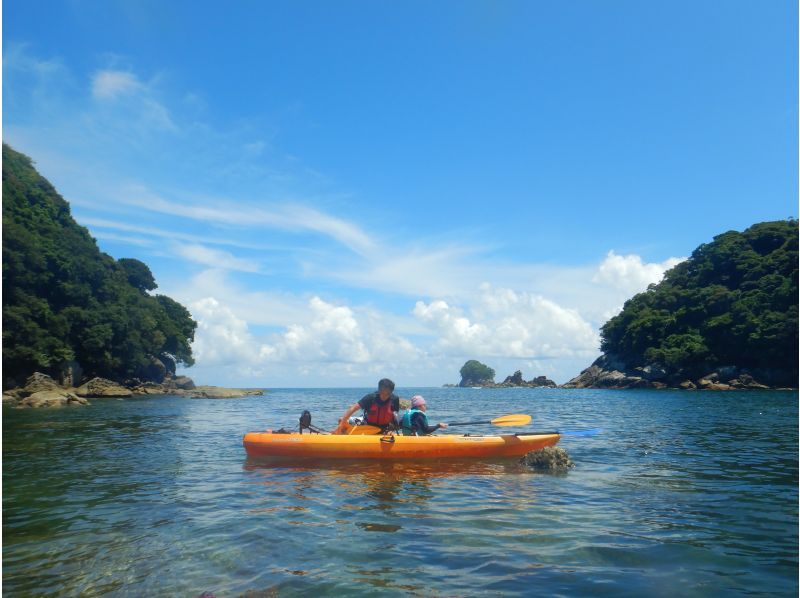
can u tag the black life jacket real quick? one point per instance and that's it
(379, 413)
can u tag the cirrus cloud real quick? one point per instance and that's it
(109, 85)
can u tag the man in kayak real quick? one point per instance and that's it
(415, 420)
(380, 408)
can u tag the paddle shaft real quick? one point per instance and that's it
(515, 419)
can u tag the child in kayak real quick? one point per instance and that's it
(415, 420)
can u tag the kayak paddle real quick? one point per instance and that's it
(516, 419)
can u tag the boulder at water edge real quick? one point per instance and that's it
(216, 392)
(37, 382)
(100, 387)
(52, 398)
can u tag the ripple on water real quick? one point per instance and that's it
(155, 497)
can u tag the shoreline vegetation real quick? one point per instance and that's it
(71, 311)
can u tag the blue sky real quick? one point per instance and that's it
(342, 191)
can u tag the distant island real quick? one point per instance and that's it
(726, 318)
(476, 374)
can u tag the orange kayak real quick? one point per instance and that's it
(330, 446)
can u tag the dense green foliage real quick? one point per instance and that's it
(63, 299)
(475, 371)
(734, 302)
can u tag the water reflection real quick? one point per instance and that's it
(405, 469)
(695, 487)
(374, 496)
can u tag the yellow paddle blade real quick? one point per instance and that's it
(364, 429)
(515, 419)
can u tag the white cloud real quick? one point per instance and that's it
(507, 323)
(336, 339)
(221, 338)
(629, 273)
(336, 333)
(134, 101)
(413, 271)
(214, 258)
(109, 85)
(288, 217)
(17, 57)
(97, 224)
(257, 308)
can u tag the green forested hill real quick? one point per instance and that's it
(733, 303)
(64, 300)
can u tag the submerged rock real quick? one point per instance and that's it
(551, 459)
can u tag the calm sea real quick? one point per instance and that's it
(683, 493)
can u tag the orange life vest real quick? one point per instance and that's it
(379, 413)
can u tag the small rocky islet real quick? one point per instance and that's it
(513, 381)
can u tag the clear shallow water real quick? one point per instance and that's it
(683, 493)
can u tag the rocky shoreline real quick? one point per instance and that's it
(610, 372)
(40, 390)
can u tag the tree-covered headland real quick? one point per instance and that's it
(731, 307)
(67, 305)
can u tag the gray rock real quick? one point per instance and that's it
(13, 396)
(747, 382)
(216, 392)
(155, 371)
(100, 387)
(652, 372)
(542, 381)
(52, 398)
(726, 373)
(183, 382)
(717, 386)
(70, 374)
(149, 388)
(515, 379)
(38, 382)
(609, 371)
(585, 379)
(705, 382)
